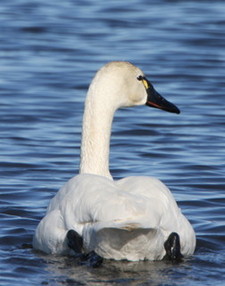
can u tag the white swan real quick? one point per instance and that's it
(135, 218)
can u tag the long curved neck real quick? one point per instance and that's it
(97, 122)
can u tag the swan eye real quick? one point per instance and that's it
(144, 81)
(140, 77)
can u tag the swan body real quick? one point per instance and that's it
(131, 218)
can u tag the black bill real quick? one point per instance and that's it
(156, 100)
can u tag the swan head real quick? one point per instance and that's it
(121, 84)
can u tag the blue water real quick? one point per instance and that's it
(49, 51)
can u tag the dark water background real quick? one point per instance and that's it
(49, 51)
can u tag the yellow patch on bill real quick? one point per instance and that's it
(145, 83)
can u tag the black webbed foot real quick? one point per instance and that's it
(75, 241)
(172, 247)
(91, 259)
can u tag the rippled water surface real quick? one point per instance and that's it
(49, 51)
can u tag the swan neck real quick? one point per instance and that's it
(96, 132)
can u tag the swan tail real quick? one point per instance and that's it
(124, 240)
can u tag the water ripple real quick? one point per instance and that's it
(49, 53)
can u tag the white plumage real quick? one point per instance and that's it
(126, 219)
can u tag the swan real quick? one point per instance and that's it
(134, 218)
